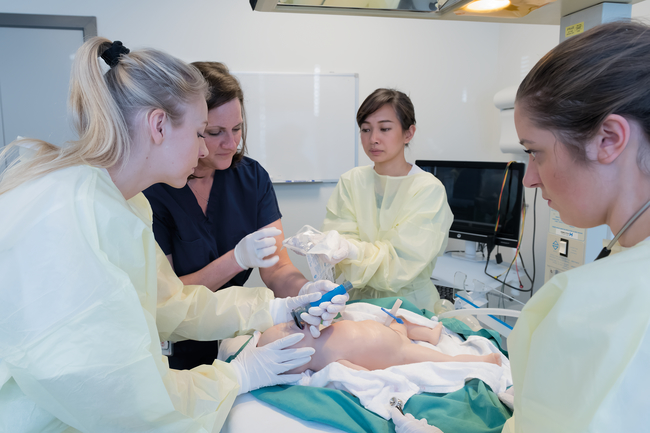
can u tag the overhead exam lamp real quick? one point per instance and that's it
(518, 11)
(501, 8)
(425, 8)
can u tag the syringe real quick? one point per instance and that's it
(327, 297)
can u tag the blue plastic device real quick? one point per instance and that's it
(340, 290)
(343, 288)
(397, 319)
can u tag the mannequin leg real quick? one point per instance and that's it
(418, 332)
(413, 353)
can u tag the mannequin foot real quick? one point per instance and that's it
(493, 358)
(435, 334)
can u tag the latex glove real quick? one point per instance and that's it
(333, 248)
(251, 250)
(280, 308)
(256, 367)
(326, 311)
(408, 424)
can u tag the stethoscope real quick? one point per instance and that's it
(608, 249)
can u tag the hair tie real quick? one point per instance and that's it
(112, 55)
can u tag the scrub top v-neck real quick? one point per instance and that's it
(241, 201)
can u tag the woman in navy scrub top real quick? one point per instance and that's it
(228, 198)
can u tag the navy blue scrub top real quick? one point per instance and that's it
(242, 200)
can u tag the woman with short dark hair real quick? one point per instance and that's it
(393, 218)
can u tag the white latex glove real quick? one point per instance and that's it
(256, 367)
(326, 311)
(251, 250)
(333, 248)
(408, 424)
(280, 308)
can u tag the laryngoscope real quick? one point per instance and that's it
(340, 290)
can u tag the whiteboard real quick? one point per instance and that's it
(301, 127)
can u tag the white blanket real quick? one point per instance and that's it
(375, 388)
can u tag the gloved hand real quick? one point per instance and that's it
(333, 248)
(408, 424)
(251, 250)
(256, 367)
(280, 308)
(326, 311)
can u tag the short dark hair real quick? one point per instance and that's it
(399, 101)
(224, 87)
(574, 87)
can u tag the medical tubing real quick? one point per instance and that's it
(532, 280)
(503, 283)
(503, 184)
(496, 228)
(480, 312)
(518, 251)
(485, 309)
(340, 290)
(523, 265)
(491, 312)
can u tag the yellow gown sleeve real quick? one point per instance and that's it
(79, 342)
(509, 426)
(580, 350)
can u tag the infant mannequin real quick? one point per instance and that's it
(370, 345)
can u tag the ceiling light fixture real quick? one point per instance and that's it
(487, 5)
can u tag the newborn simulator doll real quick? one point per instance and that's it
(369, 345)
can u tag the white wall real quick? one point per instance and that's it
(641, 11)
(451, 70)
(517, 56)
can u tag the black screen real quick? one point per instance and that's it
(473, 190)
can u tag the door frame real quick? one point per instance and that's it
(88, 25)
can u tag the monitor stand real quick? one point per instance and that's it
(470, 253)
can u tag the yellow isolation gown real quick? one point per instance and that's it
(400, 225)
(580, 350)
(86, 296)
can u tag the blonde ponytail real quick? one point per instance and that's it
(104, 108)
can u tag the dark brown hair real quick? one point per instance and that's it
(574, 87)
(224, 87)
(399, 101)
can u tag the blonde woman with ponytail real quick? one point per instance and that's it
(87, 295)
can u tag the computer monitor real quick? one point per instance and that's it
(473, 190)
